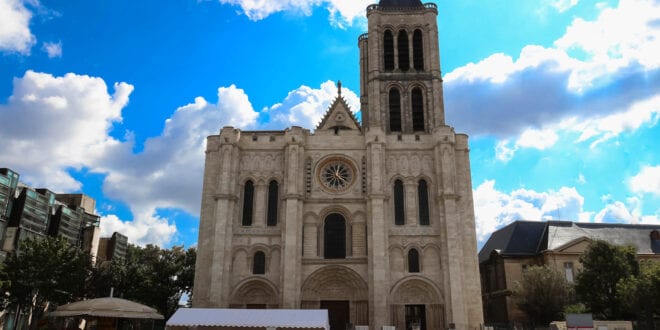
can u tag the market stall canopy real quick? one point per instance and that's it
(107, 307)
(278, 318)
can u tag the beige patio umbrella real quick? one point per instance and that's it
(107, 311)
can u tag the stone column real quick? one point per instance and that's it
(292, 224)
(377, 235)
(411, 202)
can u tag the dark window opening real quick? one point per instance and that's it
(395, 110)
(413, 261)
(415, 317)
(423, 196)
(334, 240)
(417, 100)
(248, 201)
(404, 57)
(273, 192)
(399, 215)
(388, 56)
(418, 51)
(259, 263)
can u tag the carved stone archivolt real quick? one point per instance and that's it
(415, 290)
(334, 282)
(255, 291)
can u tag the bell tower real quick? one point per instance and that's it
(400, 78)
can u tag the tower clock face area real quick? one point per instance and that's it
(336, 174)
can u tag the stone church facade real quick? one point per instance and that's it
(372, 221)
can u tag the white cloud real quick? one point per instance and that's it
(53, 49)
(629, 212)
(562, 5)
(305, 106)
(646, 181)
(15, 35)
(611, 90)
(494, 209)
(342, 12)
(53, 124)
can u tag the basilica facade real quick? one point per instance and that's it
(373, 221)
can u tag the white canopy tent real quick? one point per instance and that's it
(218, 318)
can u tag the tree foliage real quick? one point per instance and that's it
(541, 294)
(150, 275)
(45, 271)
(604, 265)
(642, 292)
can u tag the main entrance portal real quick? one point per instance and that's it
(338, 313)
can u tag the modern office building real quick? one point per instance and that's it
(373, 221)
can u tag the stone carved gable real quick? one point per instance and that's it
(415, 291)
(334, 282)
(339, 116)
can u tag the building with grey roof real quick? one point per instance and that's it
(557, 244)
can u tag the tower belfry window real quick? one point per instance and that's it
(395, 110)
(388, 51)
(417, 102)
(248, 203)
(402, 47)
(418, 50)
(423, 202)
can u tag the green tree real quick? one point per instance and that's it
(541, 294)
(46, 271)
(150, 275)
(642, 292)
(604, 265)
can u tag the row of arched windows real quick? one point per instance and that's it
(423, 213)
(272, 203)
(416, 107)
(403, 50)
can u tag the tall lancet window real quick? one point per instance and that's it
(259, 263)
(417, 102)
(273, 192)
(418, 50)
(388, 51)
(395, 110)
(334, 237)
(248, 203)
(399, 212)
(404, 57)
(423, 201)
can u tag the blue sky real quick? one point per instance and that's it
(561, 99)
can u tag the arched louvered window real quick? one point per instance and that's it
(273, 196)
(417, 103)
(395, 110)
(399, 213)
(418, 51)
(413, 261)
(402, 47)
(423, 198)
(334, 237)
(388, 51)
(248, 203)
(259, 263)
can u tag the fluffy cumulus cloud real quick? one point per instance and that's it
(53, 49)
(305, 106)
(342, 12)
(628, 212)
(646, 181)
(600, 78)
(494, 209)
(53, 124)
(15, 35)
